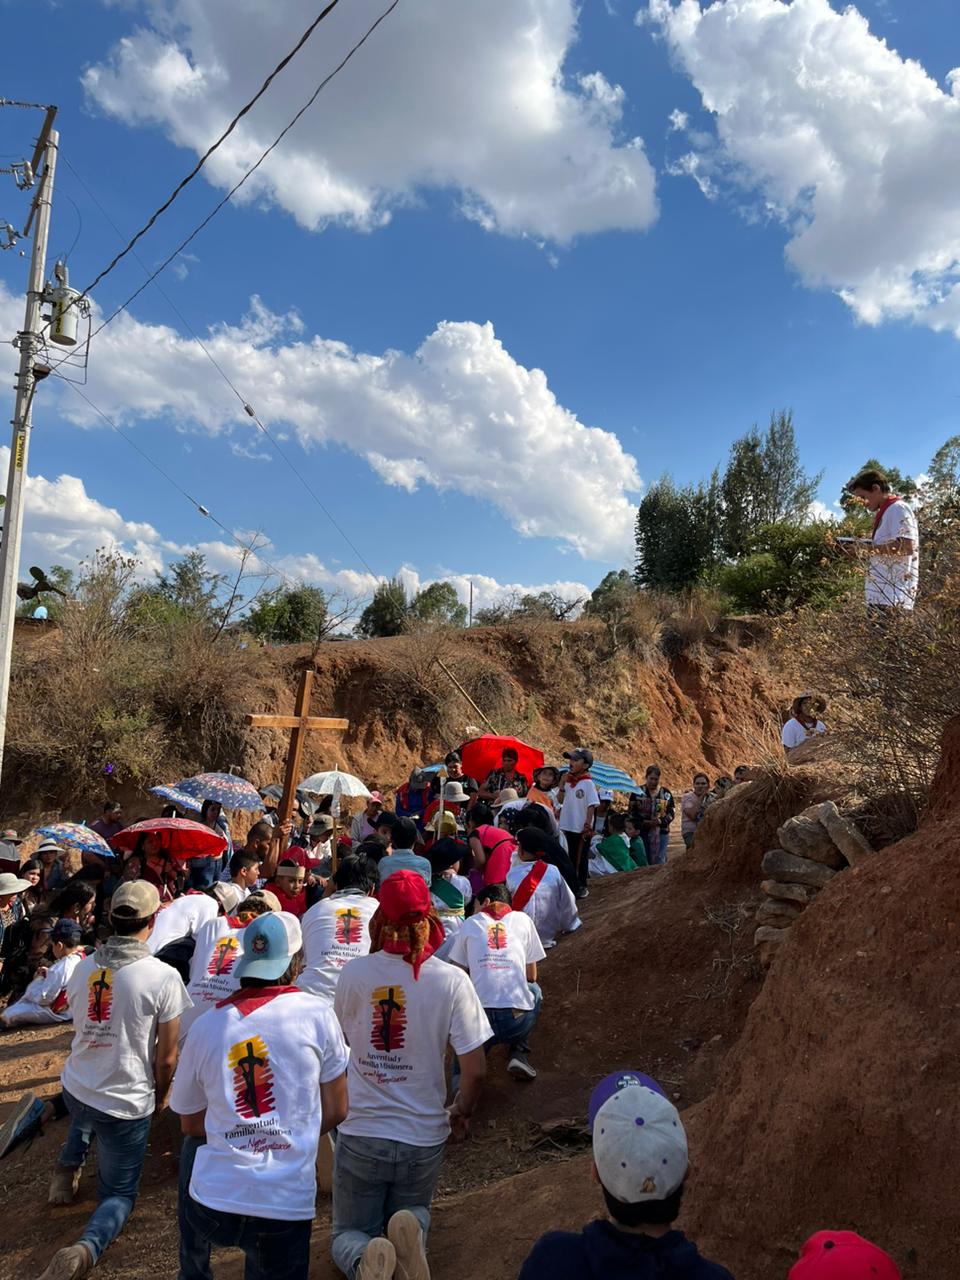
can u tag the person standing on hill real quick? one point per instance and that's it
(126, 1008)
(804, 722)
(654, 809)
(579, 799)
(693, 806)
(893, 559)
(507, 776)
(399, 1008)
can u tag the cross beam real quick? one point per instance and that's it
(299, 724)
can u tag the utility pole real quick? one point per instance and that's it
(28, 341)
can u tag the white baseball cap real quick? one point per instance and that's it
(605, 795)
(639, 1145)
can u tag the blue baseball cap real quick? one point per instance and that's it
(67, 931)
(269, 944)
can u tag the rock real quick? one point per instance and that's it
(768, 942)
(787, 868)
(808, 838)
(766, 933)
(852, 844)
(789, 892)
(779, 915)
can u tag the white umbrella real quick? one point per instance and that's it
(336, 784)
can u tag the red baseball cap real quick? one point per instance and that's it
(842, 1255)
(404, 897)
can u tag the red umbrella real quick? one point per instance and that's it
(179, 837)
(481, 756)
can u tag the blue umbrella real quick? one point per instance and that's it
(610, 778)
(77, 835)
(180, 798)
(225, 788)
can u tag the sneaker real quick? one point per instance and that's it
(64, 1185)
(22, 1124)
(377, 1262)
(582, 892)
(72, 1263)
(406, 1235)
(520, 1068)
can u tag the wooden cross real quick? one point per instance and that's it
(299, 724)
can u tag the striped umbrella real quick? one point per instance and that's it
(78, 836)
(179, 798)
(225, 788)
(608, 777)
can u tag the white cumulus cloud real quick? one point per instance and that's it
(446, 94)
(844, 141)
(458, 414)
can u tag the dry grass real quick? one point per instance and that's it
(892, 686)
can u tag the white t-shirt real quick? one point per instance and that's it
(577, 799)
(181, 919)
(212, 967)
(116, 1012)
(398, 1030)
(335, 930)
(893, 580)
(794, 733)
(496, 954)
(50, 992)
(552, 907)
(258, 1076)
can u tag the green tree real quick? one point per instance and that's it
(903, 486)
(290, 616)
(439, 605)
(764, 483)
(189, 591)
(386, 614)
(787, 566)
(677, 534)
(613, 595)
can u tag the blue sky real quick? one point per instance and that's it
(787, 240)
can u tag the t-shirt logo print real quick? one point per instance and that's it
(100, 986)
(389, 1018)
(496, 936)
(224, 956)
(252, 1077)
(348, 927)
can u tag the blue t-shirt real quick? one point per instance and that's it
(404, 860)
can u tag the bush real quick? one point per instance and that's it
(788, 566)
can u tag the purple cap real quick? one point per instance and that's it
(613, 1083)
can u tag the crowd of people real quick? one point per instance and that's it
(310, 1008)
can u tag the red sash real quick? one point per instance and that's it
(528, 887)
(881, 510)
(249, 998)
(59, 1003)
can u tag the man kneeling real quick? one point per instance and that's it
(261, 1078)
(640, 1162)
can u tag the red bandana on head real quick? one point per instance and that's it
(405, 923)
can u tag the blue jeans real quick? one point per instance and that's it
(513, 1026)
(510, 1027)
(121, 1151)
(656, 842)
(274, 1250)
(372, 1179)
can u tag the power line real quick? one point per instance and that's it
(247, 406)
(250, 549)
(213, 147)
(233, 190)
